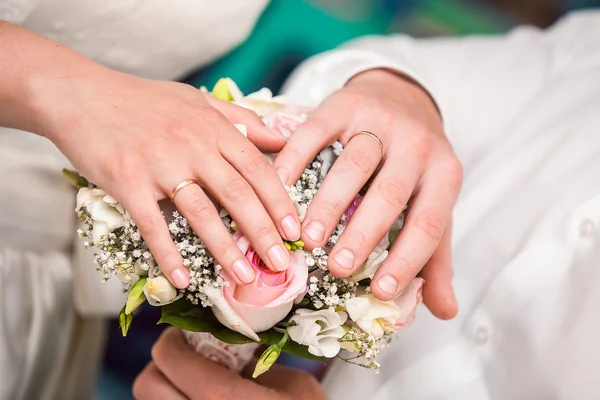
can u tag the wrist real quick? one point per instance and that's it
(55, 98)
(395, 81)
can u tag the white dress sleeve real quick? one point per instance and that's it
(16, 11)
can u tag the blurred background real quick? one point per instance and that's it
(287, 33)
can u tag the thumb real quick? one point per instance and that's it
(296, 384)
(262, 137)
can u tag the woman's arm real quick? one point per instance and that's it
(138, 139)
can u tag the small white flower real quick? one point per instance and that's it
(319, 330)
(159, 291)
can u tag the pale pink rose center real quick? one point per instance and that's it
(272, 284)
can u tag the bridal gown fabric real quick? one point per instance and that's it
(51, 299)
(523, 114)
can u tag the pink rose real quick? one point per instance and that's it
(285, 122)
(408, 301)
(351, 209)
(259, 305)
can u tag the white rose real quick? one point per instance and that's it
(373, 316)
(319, 330)
(159, 291)
(375, 259)
(106, 213)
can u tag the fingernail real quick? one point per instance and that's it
(243, 271)
(291, 229)
(388, 285)
(284, 175)
(279, 257)
(315, 231)
(180, 278)
(344, 258)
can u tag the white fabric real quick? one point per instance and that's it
(523, 113)
(44, 272)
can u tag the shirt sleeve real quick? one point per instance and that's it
(473, 80)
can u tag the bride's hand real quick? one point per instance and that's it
(176, 372)
(417, 166)
(138, 139)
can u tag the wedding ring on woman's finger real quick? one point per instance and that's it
(180, 186)
(372, 136)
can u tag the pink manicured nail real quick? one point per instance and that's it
(290, 228)
(279, 257)
(315, 231)
(284, 175)
(243, 271)
(344, 258)
(388, 285)
(180, 278)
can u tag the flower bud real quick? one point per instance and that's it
(267, 359)
(159, 291)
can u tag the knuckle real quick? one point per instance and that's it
(316, 126)
(423, 142)
(358, 160)
(360, 237)
(430, 225)
(148, 223)
(393, 192)
(235, 190)
(200, 208)
(257, 165)
(357, 102)
(327, 206)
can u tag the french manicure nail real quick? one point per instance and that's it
(315, 231)
(284, 175)
(180, 278)
(344, 258)
(388, 285)
(291, 229)
(279, 257)
(243, 271)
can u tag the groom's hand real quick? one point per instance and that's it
(177, 373)
(409, 161)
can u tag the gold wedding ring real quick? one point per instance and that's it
(180, 186)
(373, 136)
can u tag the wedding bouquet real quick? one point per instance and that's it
(304, 310)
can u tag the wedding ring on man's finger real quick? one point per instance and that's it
(179, 187)
(372, 136)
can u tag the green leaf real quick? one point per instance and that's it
(393, 236)
(125, 321)
(75, 179)
(301, 351)
(266, 360)
(136, 296)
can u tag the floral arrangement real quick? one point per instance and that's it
(304, 310)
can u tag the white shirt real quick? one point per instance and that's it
(44, 274)
(523, 114)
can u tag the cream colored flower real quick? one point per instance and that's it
(159, 291)
(319, 330)
(106, 213)
(373, 316)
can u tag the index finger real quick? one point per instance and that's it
(318, 131)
